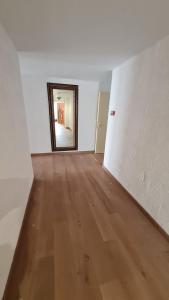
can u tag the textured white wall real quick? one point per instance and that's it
(36, 103)
(137, 143)
(15, 162)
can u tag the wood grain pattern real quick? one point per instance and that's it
(84, 239)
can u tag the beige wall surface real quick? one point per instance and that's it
(137, 143)
(15, 163)
(102, 117)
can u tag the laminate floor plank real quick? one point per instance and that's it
(85, 239)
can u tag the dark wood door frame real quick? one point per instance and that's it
(50, 88)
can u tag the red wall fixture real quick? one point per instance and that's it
(113, 112)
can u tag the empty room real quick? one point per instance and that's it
(84, 150)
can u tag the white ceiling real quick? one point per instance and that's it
(92, 33)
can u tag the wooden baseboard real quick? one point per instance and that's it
(26, 216)
(131, 198)
(62, 152)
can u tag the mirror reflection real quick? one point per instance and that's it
(64, 117)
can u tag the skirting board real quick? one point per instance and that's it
(131, 198)
(63, 152)
(26, 215)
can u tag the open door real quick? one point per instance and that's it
(102, 117)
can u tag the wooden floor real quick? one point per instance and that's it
(85, 239)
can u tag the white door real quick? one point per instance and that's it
(102, 117)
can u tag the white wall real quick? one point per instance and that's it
(137, 144)
(36, 102)
(105, 83)
(15, 162)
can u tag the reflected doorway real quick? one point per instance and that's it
(63, 112)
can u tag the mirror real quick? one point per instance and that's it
(63, 101)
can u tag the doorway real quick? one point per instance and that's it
(63, 114)
(102, 118)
